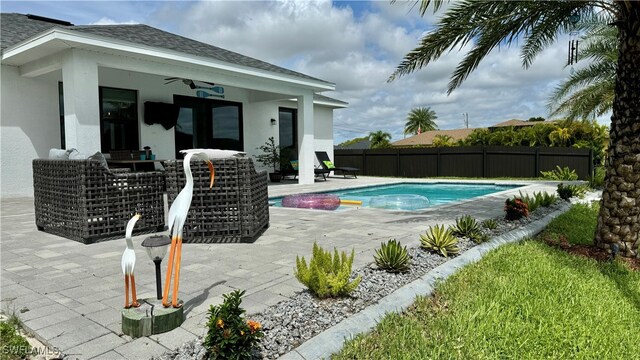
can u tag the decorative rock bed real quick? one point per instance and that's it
(296, 320)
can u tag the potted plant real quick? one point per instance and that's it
(271, 157)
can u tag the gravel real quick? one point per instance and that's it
(291, 322)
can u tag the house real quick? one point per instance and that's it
(516, 124)
(426, 138)
(360, 145)
(87, 87)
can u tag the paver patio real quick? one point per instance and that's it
(70, 295)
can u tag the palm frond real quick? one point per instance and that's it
(487, 25)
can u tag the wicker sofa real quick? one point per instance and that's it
(235, 210)
(83, 201)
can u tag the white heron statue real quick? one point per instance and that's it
(128, 263)
(177, 218)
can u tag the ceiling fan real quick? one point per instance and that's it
(217, 90)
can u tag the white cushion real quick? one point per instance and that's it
(60, 154)
(216, 153)
(75, 155)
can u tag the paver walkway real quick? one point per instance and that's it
(70, 294)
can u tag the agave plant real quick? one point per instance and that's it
(392, 257)
(439, 239)
(490, 224)
(465, 226)
(479, 237)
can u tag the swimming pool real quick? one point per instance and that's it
(409, 196)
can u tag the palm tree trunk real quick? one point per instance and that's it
(619, 217)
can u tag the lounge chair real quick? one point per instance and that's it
(326, 164)
(292, 170)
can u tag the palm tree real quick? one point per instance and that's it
(421, 118)
(379, 139)
(589, 91)
(486, 25)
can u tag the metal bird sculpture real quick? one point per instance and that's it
(177, 218)
(128, 263)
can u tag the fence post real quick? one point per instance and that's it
(537, 162)
(591, 167)
(398, 162)
(437, 161)
(484, 161)
(364, 162)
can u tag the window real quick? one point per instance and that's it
(61, 108)
(288, 128)
(207, 123)
(118, 119)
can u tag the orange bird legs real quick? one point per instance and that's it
(177, 217)
(128, 264)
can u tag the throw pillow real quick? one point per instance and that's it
(100, 157)
(216, 153)
(60, 154)
(329, 164)
(294, 164)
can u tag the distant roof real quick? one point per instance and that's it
(516, 123)
(426, 138)
(16, 28)
(363, 144)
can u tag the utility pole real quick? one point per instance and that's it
(465, 118)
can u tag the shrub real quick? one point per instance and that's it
(229, 335)
(515, 209)
(532, 201)
(568, 191)
(479, 237)
(565, 174)
(13, 345)
(490, 224)
(438, 239)
(597, 180)
(392, 257)
(465, 226)
(326, 276)
(538, 199)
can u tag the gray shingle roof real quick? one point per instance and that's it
(319, 97)
(18, 27)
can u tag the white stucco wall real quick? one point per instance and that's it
(30, 126)
(30, 120)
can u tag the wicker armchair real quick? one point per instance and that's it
(85, 202)
(235, 210)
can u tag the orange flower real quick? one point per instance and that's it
(220, 323)
(254, 326)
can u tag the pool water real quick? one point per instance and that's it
(409, 196)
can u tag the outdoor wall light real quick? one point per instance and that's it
(156, 247)
(273, 121)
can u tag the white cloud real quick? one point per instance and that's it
(108, 21)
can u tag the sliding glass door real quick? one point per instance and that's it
(207, 123)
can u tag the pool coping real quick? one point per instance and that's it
(332, 340)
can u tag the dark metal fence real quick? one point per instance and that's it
(468, 161)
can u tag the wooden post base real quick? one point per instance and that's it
(151, 318)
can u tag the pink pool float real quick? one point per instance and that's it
(312, 201)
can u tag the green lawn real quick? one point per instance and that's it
(522, 301)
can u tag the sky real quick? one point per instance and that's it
(354, 44)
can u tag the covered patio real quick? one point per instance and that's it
(85, 87)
